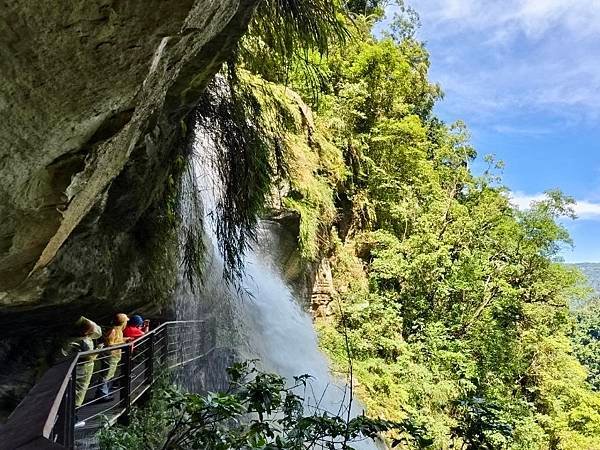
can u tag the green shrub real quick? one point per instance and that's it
(259, 411)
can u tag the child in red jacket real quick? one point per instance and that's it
(136, 327)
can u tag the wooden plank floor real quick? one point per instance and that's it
(97, 413)
(100, 411)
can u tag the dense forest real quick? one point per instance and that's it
(586, 331)
(591, 271)
(452, 306)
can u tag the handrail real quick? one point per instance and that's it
(50, 421)
(141, 338)
(29, 421)
(51, 402)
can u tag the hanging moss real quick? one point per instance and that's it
(264, 137)
(227, 113)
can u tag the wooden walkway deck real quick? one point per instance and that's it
(98, 413)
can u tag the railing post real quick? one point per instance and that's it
(65, 422)
(151, 358)
(126, 392)
(70, 410)
(166, 346)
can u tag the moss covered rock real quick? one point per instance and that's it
(93, 96)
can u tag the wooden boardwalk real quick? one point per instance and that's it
(47, 417)
(98, 413)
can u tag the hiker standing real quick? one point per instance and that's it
(112, 336)
(82, 340)
(136, 327)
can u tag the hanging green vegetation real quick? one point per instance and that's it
(289, 37)
(248, 126)
(292, 26)
(226, 115)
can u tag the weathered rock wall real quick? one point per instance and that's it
(93, 96)
(311, 281)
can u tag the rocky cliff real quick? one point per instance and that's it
(94, 96)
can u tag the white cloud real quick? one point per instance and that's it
(587, 210)
(526, 131)
(498, 59)
(534, 18)
(523, 201)
(584, 209)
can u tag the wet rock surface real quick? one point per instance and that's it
(93, 95)
(311, 281)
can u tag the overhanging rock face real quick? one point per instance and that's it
(83, 85)
(92, 98)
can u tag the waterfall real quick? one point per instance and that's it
(262, 320)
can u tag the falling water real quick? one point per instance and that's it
(262, 320)
(281, 333)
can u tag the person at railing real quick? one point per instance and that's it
(112, 336)
(82, 340)
(136, 327)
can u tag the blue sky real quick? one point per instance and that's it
(525, 77)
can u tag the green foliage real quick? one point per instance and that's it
(185, 204)
(480, 425)
(147, 426)
(228, 113)
(454, 303)
(586, 340)
(289, 27)
(365, 7)
(306, 166)
(289, 36)
(259, 411)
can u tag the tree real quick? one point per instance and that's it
(481, 426)
(586, 339)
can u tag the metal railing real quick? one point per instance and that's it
(48, 417)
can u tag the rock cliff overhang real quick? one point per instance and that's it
(93, 95)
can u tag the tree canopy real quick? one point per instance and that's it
(455, 303)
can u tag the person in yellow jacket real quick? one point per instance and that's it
(82, 340)
(112, 336)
